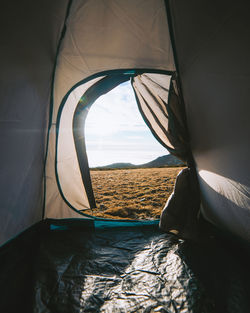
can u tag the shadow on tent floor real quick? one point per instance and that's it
(73, 267)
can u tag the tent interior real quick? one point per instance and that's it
(188, 64)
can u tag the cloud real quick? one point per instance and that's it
(134, 138)
(124, 146)
(117, 110)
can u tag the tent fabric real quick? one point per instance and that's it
(30, 31)
(97, 41)
(152, 93)
(162, 110)
(211, 49)
(67, 166)
(76, 266)
(214, 72)
(100, 35)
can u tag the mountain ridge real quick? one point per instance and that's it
(162, 161)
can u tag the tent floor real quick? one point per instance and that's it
(74, 267)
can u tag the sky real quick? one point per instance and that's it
(116, 132)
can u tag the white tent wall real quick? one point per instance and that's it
(30, 31)
(103, 36)
(213, 56)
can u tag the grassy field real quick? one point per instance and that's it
(132, 193)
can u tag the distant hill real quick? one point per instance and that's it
(117, 165)
(165, 160)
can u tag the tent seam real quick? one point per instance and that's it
(52, 102)
(190, 158)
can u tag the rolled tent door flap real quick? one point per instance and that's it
(163, 110)
(101, 87)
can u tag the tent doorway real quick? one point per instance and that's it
(150, 92)
(120, 149)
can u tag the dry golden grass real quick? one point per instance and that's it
(132, 193)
